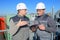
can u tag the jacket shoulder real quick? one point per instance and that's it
(14, 17)
(26, 17)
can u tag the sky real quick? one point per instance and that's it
(9, 6)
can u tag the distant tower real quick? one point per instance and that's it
(52, 12)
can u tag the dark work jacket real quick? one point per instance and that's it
(50, 26)
(23, 30)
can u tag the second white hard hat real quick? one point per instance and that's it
(40, 6)
(21, 6)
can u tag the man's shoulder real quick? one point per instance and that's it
(26, 17)
(13, 17)
(47, 16)
(44, 16)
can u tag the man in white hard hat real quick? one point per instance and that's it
(19, 24)
(46, 24)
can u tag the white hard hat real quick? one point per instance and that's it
(21, 6)
(40, 6)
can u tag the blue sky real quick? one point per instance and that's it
(9, 6)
